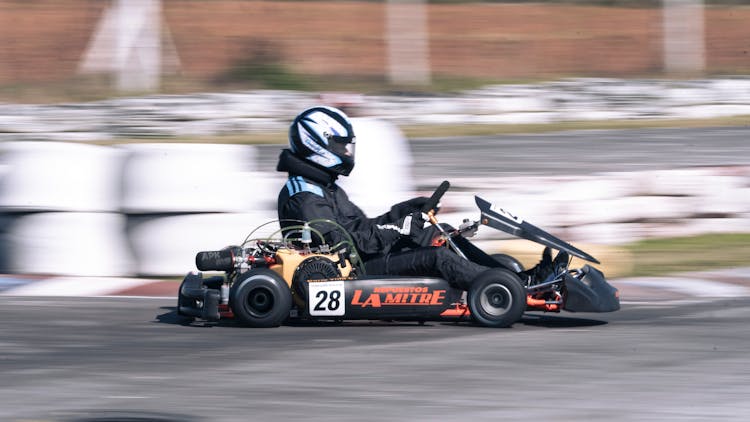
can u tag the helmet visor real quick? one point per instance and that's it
(343, 146)
(350, 148)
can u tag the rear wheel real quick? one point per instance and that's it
(497, 298)
(261, 298)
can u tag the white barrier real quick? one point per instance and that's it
(263, 111)
(617, 208)
(68, 243)
(183, 178)
(382, 175)
(53, 176)
(167, 245)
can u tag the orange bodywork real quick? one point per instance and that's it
(460, 310)
(541, 305)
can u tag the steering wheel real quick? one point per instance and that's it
(430, 207)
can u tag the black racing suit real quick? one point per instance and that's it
(311, 193)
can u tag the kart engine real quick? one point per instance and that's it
(313, 268)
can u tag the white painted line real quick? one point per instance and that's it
(743, 272)
(692, 287)
(74, 286)
(664, 303)
(137, 297)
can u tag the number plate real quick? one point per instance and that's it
(326, 298)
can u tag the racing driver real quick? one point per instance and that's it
(321, 148)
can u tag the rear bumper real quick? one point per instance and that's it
(198, 298)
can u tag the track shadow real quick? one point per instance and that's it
(126, 416)
(173, 318)
(359, 323)
(551, 321)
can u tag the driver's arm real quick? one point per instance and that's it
(401, 210)
(368, 236)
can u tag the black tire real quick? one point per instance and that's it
(497, 298)
(508, 262)
(261, 298)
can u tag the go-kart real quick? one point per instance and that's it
(267, 281)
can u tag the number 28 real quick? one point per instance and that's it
(328, 301)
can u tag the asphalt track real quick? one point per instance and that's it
(133, 359)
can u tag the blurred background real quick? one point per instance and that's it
(134, 133)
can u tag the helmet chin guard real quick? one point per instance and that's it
(324, 136)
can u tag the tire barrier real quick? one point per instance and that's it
(623, 207)
(240, 113)
(56, 176)
(71, 209)
(60, 206)
(66, 243)
(165, 245)
(381, 150)
(76, 209)
(192, 178)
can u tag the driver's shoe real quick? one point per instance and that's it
(548, 268)
(561, 261)
(541, 271)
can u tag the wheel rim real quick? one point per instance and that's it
(496, 299)
(259, 301)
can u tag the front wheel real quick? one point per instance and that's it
(508, 262)
(261, 299)
(497, 298)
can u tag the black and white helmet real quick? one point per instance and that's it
(324, 136)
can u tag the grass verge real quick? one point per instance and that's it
(654, 257)
(427, 131)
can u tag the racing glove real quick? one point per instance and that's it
(402, 209)
(412, 225)
(415, 204)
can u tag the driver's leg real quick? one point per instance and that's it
(472, 252)
(427, 262)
